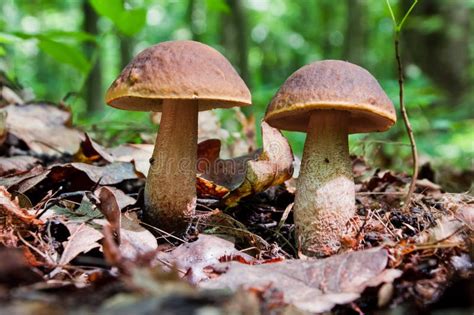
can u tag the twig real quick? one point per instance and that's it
(414, 152)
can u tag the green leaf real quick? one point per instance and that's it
(218, 6)
(65, 54)
(8, 38)
(77, 36)
(131, 21)
(108, 8)
(128, 22)
(2, 51)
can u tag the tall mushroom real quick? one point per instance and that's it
(177, 78)
(328, 100)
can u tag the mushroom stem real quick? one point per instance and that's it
(170, 192)
(325, 196)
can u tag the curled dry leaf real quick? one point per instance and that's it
(311, 285)
(47, 130)
(111, 202)
(90, 151)
(13, 217)
(249, 174)
(110, 208)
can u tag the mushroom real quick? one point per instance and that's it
(328, 100)
(177, 78)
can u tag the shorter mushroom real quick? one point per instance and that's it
(178, 79)
(329, 100)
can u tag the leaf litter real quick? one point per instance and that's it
(72, 240)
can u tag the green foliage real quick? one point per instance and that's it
(217, 6)
(65, 53)
(50, 44)
(128, 22)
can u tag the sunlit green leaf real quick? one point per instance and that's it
(65, 54)
(2, 51)
(128, 22)
(218, 5)
(131, 21)
(77, 36)
(7, 38)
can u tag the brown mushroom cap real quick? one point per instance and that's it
(331, 85)
(178, 70)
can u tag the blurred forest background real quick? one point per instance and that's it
(76, 48)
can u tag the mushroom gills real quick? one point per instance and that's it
(173, 165)
(325, 195)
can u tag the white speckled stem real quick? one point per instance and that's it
(325, 196)
(170, 192)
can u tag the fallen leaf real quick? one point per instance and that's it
(14, 268)
(109, 174)
(311, 285)
(114, 195)
(248, 174)
(85, 212)
(9, 96)
(111, 201)
(206, 251)
(135, 240)
(14, 180)
(47, 130)
(90, 151)
(17, 164)
(83, 238)
(82, 176)
(12, 217)
(206, 188)
(445, 230)
(138, 154)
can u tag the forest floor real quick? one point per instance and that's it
(72, 241)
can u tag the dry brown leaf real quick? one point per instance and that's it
(14, 180)
(83, 238)
(122, 200)
(15, 269)
(90, 151)
(12, 217)
(193, 257)
(138, 154)
(109, 174)
(312, 285)
(252, 173)
(47, 130)
(135, 240)
(17, 164)
(110, 208)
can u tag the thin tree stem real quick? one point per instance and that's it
(414, 152)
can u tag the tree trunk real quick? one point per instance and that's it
(126, 50)
(234, 39)
(355, 34)
(240, 43)
(93, 86)
(442, 52)
(190, 13)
